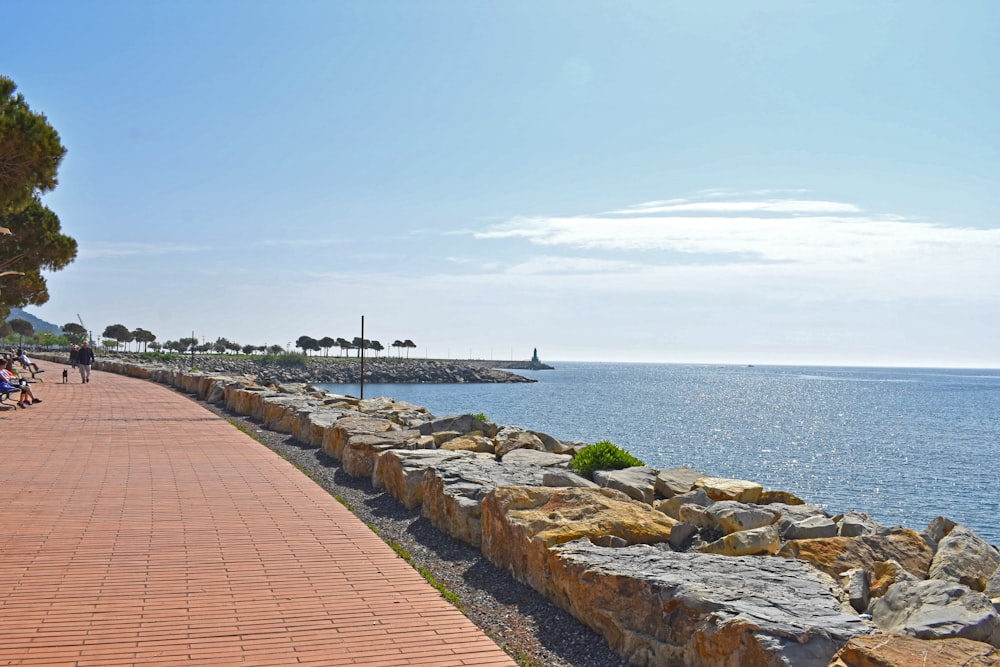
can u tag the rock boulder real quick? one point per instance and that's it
(964, 557)
(936, 609)
(520, 524)
(657, 607)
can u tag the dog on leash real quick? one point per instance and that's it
(65, 376)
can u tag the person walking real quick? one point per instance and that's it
(84, 358)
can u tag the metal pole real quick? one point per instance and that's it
(192, 348)
(362, 356)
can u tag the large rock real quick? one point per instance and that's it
(536, 458)
(810, 529)
(792, 514)
(401, 472)
(898, 651)
(964, 557)
(836, 555)
(731, 516)
(855, 524)
(936, 609)
(454, 490)
(279, 411)
(460, 423)
(560, 477)
(721, 488)
(672, 506)
(672, 482)
(757, 542)
(520, 524)
(309, 426)
(509, 439)
(359, 454)
(473, 442)
(336, 437)
(656, 607)
(637, 482)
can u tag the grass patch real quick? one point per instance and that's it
(438, 586)
(285, 360)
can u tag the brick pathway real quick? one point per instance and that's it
(137, 528)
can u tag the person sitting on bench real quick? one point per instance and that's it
(10, 378)
(26, 363)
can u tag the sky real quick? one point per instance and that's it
(718, 182)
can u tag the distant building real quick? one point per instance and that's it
(535, 363)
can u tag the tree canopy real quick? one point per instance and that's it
(30, 151)
(36, 243)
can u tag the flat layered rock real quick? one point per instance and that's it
(453, 492)
(361, 451)
(401, 472)
(336, 437)
(520, 524)
(658, 607)
(536, 458)
(637, 482)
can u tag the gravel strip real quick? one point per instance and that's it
(533, 631)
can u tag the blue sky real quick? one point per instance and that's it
(732, 182)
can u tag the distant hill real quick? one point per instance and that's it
(39, 325)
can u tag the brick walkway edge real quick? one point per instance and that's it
(137, 528)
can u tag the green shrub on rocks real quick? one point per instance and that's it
(156, 357)
(285, 360)
(481, 417)
(603, 455)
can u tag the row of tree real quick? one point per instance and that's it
(309, 344)
(31, 239)
(122, 335)
(118, 335)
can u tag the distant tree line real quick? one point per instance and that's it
(309, 344)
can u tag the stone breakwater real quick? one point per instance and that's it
(344, 370)
(672, 566)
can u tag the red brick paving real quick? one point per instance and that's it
(137, 528)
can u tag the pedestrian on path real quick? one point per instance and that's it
(84, 358)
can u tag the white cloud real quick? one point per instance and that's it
(795, 247)
(131, 249)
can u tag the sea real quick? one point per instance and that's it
(903, 445)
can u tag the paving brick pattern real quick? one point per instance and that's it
(137, 528)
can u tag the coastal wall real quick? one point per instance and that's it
(672, 566)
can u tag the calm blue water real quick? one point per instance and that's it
(903, 445)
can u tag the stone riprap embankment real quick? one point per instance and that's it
(339, 370)
(672, 566)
